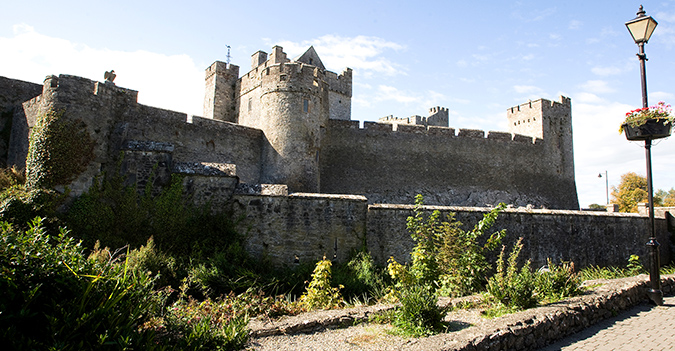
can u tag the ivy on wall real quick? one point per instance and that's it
(59, 150)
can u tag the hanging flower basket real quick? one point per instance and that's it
(651, 122)
(651, 129)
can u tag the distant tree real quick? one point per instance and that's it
(631, 191)
(667, 197)
(597, 207)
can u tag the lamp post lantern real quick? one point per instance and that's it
(641, 29)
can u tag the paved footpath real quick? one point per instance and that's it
(645, 327)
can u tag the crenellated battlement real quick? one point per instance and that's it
(379, 128)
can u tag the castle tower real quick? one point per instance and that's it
(552, 122)
(220, 92)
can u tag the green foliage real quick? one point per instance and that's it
(446, 259)
(10, 177)
(206, 325)
(557, 282)
(360, 277)
(59, 150)
(194, 242)
(56, 298)
(597, 207)
(20, 205)
(419, 314)
(511, 287)
(320, 294)
(633, 267)
(631, 191)
(462, 257)
(668, 197)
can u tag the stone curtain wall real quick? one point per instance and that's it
(12, 94)
(466, 168)
(586, 238)
(306, 225)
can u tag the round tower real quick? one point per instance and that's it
(293, 108)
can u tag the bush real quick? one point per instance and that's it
(320, 294)
(511, 287)
(556, 282)
(56, 298)
(207, 325)
(19, 205)
(419, 314)
(360, 277)
(10, 177)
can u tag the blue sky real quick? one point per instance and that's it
(477, 58)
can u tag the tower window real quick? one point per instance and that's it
(250, 104)
(305, 105)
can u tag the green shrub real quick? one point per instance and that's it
(206, 325)
(360, 277)
(557, 282)
(462, 257)
(511, 287)
(19, 205)
(320, 294)
(55, 298)
(419, 314)
(11, 176)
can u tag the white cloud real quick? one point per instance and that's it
(574, 24)
(597, 87)
(362, 53)
(421, 101)
(598, 147)
(661, 96)
(170, 82)
(526, 89)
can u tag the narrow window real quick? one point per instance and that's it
(250, 104)
(305, 105)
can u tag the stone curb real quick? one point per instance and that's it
(524, 330)
(312, 321)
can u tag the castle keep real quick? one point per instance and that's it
(278, 146)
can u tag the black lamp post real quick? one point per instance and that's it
(641, 28)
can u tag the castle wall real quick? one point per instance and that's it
(113, 117)
(13, 93)
(466, 168)
(308, 225)
(586, 238)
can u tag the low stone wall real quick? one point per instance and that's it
(308, 226)
(586, 238)
(286, 230)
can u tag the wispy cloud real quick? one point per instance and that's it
(167, 81)
(574, 24)
(420, 100)
(362, 53)
(597, 87)
(527, 89)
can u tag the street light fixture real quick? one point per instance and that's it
(641, 29)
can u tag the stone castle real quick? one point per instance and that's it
(277, 145)
(286, 125)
